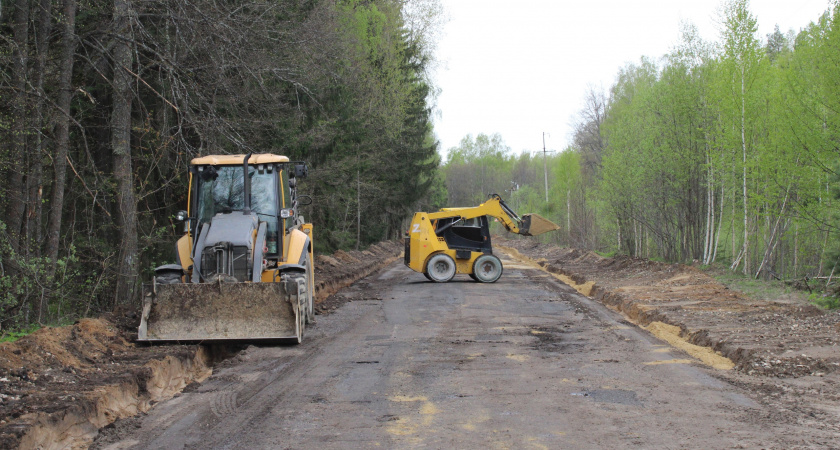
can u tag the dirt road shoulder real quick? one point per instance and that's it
(59, 386)
(786, 350)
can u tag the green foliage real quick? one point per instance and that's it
(825, 301)
(380, 165)
(754, 288)
(719, 152)
(724, 151)
(12, 336)
(483, 165)
(342, 85)
(35, 290)
(476, 168)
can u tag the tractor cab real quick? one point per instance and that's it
(221, 191)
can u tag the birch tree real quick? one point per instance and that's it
(742, 56)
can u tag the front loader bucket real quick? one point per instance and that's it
(535, 225)
(186, 312)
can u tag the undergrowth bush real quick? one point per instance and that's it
(35, 290)
(825, 300)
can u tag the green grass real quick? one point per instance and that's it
(12, 336)
(752, 288)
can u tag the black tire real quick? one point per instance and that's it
(440, 268)
(487, 269)
(310, 291)
(427, 276)
(301, 322)
(472, 275)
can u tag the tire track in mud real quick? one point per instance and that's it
(228, 402)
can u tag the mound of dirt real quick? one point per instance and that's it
(59, 386)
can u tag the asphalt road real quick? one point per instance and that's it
(526, 362)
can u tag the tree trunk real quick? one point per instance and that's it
(744, 153)
(795, 249)
(720, 224)
(62, 131)
(569, 216)
(121, 148)
(34, 180)
(17, 155)
(774, 239)
(710, 208)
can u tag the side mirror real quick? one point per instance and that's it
(304, 200)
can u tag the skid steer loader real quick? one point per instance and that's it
(245, 262)
(457, 240)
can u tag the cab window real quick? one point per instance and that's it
(221, 190)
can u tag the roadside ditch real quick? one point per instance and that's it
(59, 386)
(694, 312)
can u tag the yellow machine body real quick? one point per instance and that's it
(462, 235)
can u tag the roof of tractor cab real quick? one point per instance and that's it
(235, 160)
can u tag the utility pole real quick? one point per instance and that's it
(545, 167)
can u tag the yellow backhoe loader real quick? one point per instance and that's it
(457, 240)
(245, 262)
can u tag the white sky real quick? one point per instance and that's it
(521, 68)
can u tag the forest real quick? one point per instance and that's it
(721, 152)
(103, 103)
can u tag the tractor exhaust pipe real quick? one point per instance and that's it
(247, 186)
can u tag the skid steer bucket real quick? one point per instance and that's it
(535, 225)
(186, 312)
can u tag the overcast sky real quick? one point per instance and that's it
(522, 68)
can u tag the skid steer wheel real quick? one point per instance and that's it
(425, 274)
(441, 268)
(487, 269)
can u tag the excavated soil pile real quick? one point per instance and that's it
(772, 337)
(59, 386)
